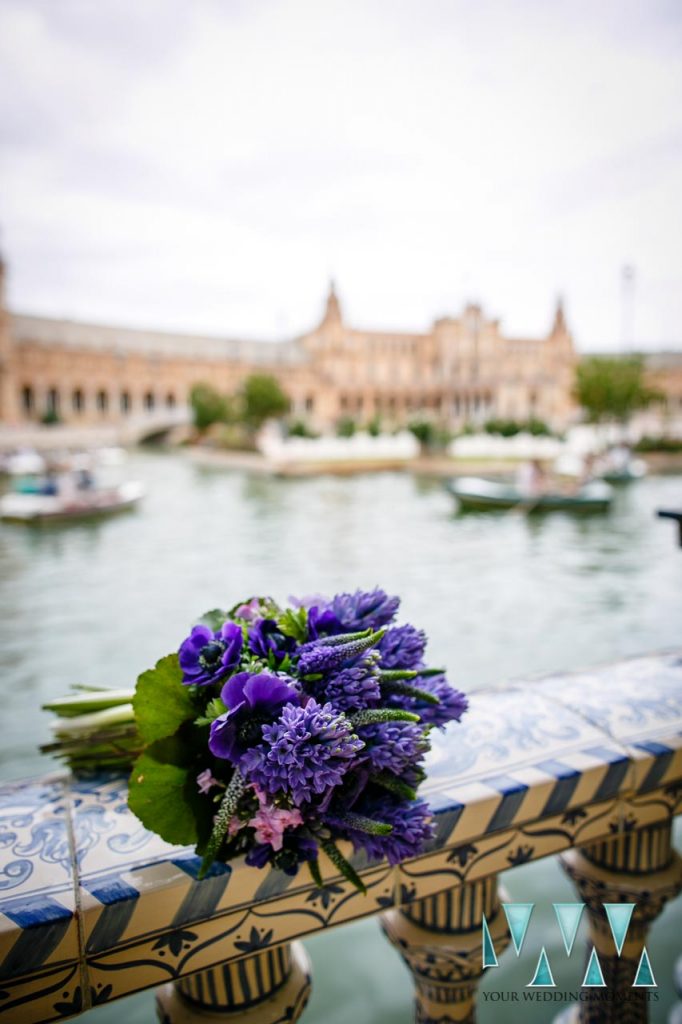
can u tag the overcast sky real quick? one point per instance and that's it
(208, 165)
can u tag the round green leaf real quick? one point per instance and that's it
(157, 795)
(161, 702)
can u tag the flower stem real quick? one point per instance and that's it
(226, 811)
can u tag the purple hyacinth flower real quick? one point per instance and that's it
(265, 638)
(402, 647)
(207, 657)
(412, 828)
(251, 700)
(394, 746)
(453, 703)
(306, 751)
(364, 609)
(350, 689)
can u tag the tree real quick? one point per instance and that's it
(262, 399)
(612, 388)
(208, 406)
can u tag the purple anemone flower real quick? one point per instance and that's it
(412, 827)
(322, 622)
(453, 703)
(364, 609)
(251, 700)
(265, 637)
(305, 752)
(206, 657)
(402, 647)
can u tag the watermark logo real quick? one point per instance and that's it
(568, 917)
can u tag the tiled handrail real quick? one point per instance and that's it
(93, 907)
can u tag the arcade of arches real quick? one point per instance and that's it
(461, 370)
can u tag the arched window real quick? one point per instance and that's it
(170, 400)
(53, 400)
(309, 403)
(149, 401)
(77, 400)
(102, 401)
(28, 401)
(125, 402)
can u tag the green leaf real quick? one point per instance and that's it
(214, 709)
(161, 702)
(158, 796)
(294, 622)
(364, 824)
(374, 715)
(314, 868)
(214, 619)
(391, 686)
(394, 785)
(340, 862)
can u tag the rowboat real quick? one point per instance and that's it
(482, 495)
(37, 509)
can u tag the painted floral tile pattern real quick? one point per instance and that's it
(92, 906)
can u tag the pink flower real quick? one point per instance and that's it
(206, 781)
(270, 823)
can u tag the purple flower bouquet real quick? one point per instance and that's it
(274, 732)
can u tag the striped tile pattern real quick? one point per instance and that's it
(461, 909)
(534, 768)
(240, 984)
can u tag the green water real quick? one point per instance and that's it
(500, 595)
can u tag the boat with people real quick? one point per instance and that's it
(67, 488)
(479, 494)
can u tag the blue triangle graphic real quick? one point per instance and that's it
(518, 916)
(593, 975)
(619, 915)
(568, 915)
(645, 976)
(543, 977)
(489, 955)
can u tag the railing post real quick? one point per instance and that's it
(637, 866)
(439, 938)
(270, 987)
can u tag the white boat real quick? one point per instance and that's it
(484, 495)
(36, 509)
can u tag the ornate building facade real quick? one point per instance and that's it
(462, 370)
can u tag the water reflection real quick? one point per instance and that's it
(501, 595)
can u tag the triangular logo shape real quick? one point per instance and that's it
(619, 915)
(593, 975)
(568, 915)
(489, 955)
(543, 977)
(645, 976)
(518, 916)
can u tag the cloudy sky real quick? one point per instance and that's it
(208, 165)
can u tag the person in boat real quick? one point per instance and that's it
(531, 478)
(50, 485)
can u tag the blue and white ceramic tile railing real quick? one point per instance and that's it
(93, 907)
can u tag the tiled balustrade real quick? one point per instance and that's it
(93, 907)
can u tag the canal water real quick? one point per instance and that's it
(501, 596)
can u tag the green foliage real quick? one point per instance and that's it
(214, 709)
(612, 388)
(299, 428)
(374, 427)
(294, 622)
(509, 428)
(672, 445)
(50, 417)
(161, 702)
(214, 619)
(424, 431)
(208, 406)
(262, 399)
(159, 794)
(346, 427)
